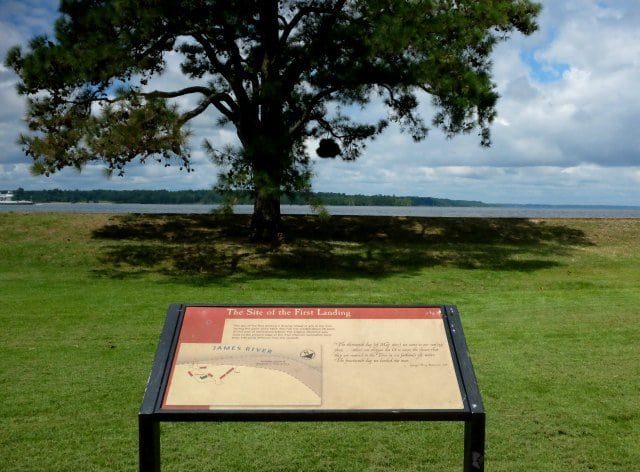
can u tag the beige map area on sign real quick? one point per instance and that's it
(246, 375)
(319, 364)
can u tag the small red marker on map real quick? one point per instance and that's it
(226, 373)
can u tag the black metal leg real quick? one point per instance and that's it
(149, 444)
(474, 432)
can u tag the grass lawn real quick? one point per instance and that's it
(550, 309)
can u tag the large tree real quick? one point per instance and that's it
(280, 72)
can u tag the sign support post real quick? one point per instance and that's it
(474, 427)
(312, 363)
(474, 437)
(149, 443)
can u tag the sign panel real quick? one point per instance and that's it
(312, 358)
(308, 363)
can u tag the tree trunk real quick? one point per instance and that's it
(271, 146)
(266, 223)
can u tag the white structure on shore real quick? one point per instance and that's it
(7, 199)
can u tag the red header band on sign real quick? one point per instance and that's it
(206, 324)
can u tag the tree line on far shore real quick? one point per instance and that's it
(235, 198)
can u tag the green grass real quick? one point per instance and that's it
(550, 310)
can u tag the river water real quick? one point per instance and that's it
(477, 212)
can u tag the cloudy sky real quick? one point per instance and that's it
(567, 130)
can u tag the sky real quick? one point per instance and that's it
(567, 130)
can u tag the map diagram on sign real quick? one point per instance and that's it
(246, 375)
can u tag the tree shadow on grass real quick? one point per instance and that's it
(208, 248)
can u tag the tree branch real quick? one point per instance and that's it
(233, 50)
(314, 102)
(304, 11)
(297, 65)
(328, 128)
(193, 113)
(177, 93)
(289, 27)
(223, 100)
(155, 47)
(223, 69)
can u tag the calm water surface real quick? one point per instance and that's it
(478, 212)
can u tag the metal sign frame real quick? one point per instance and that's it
(151, 414)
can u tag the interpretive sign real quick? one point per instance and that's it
(311, 363)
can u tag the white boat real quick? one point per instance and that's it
(7, 199)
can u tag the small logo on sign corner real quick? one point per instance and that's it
(308, 354)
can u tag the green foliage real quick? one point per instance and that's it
(281, 72)
(130, 128)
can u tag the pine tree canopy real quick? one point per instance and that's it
(280, 72)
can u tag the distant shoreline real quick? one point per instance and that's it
(210, 197)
